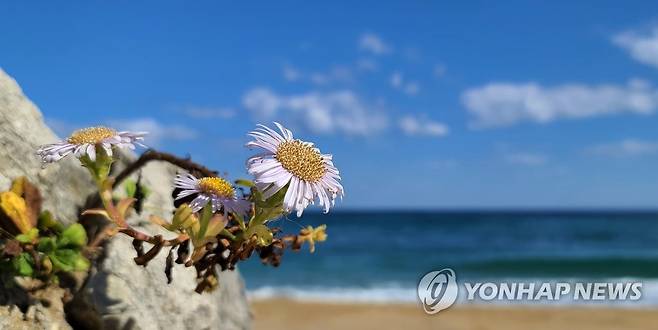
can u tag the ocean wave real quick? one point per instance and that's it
(381, 294)
(391, 293)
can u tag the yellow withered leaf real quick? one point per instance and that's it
(312, 235)
(23, 188)
(15, 208)
(17, 185)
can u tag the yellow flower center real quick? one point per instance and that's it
(91, 135)
(216, 186)
(302, 160)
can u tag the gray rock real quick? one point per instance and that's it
(22, 130)
(37, 315)
(127, 295)
(119, 293)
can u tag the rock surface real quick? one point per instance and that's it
(118, 294)
(126, 294)
(22, 130)
(38, 315)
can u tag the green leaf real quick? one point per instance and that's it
(80, 263)
(263, 234)
(131, 189)
(275, 199)
(58, 263)
(265, 214)
(216, 224)
(239, 218)
(47, 244)
(130, 186)
(270, 208)
(146, 192)
(23, 264)
(205, 219)
(28, 237)
(48, 221)
(68, 260)
(183, 218)
(73, 236)
(245, 183)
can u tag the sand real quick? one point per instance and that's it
(292, 315)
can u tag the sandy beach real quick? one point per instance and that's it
(283, 314)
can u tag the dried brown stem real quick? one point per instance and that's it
(155, 240)
(148, 256)
(150, 155)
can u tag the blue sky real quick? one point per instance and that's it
(424, 104)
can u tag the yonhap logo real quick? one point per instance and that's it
(437, 290)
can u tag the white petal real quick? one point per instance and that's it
(186, 193)
(286, 132)
(272, 133)
(199, 202)
(91, 152)
(291, 194)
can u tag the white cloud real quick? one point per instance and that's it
(319, 78)
(325, 113)
(209, 112)
(341, 73)
(367, 65)
(642, 45)
(158, 132)
(374, 44)
(422, 126)
(412, 88)
(526, 159)
(337, 74)
(504, 104)
(439, 70)
(625, 148)
(396, 80)
(291, 74)
(408, 87)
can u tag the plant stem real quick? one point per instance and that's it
(150, 155)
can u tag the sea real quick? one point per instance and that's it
(379, 257)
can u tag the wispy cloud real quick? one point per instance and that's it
(336, 74)
(209, 112)
(642, 45)
(374, 44)
(321, 112)
(291, 74)
(158, 132)
(625, 148)
(439, 71)
(367, 65)
(408, 87)
(526, 158)
(504, 104)
(422, 126)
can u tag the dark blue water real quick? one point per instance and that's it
(394, 249)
